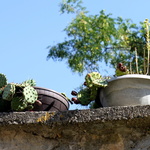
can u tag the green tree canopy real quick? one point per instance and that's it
(92, 39)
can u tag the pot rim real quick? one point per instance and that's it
(53, 91)
(140, 76)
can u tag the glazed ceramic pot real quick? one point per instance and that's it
(51, 100)
(126, 90)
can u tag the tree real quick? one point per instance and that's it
(92, 39)
(72, 6)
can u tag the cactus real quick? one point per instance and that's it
(29, 107)
(30, 94)
(24, 102)
(1, 90)
(84, 96)
(9, 91)
(30, 82)
(18, 97)
(3, 80)
(18, 104)
(95, 79)
(5, 106)
(121, 70)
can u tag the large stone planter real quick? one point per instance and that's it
(51, 100)
(126, 90)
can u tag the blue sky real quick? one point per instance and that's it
(27, 27)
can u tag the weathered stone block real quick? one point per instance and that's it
(111, 128)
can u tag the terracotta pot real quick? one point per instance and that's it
(51, 100)
(126, 90)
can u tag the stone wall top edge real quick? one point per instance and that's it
(76, 116)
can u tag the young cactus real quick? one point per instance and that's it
(84, 96)
(20, 97)
(26, 99)
(1, 90)
(3, 80)
(30, 82)
(95, 79)
(18, 104)
(30, 94)
(9, 91)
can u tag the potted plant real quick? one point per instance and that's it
(93, 39)
(26, 96)
(127, 87)
(51, 100)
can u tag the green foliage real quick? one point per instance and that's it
(92, 39)
(93, 81)
(88, 35)
(18, 104)
(17, 97)
(9, 91)
(30, 94)
(3, 80)
(71, 6)
(30, 82)
(84, 96)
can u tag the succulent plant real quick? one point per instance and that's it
(121, 70)
(18, 104)
(75, 100)
(9, 91)
(30, 94)
(74, 93)
(95, 79)
(1, 90)
(84, 96)
(5, 105)
(3, 80)
(30, 82)
(25, 99)
(17, 97)
(29, 107)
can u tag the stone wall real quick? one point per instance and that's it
(115, 128)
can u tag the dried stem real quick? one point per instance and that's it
(147, 44)
(144, 63)
(130, 67)
(136, 61)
